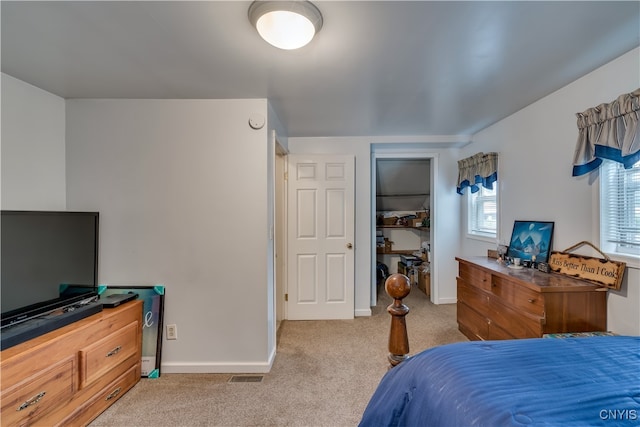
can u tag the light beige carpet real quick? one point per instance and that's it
(323, 375)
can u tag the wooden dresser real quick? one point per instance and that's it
(496, 302)
(70, 375)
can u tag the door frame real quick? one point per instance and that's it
(280, 231)
(387, 153)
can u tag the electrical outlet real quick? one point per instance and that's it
(172, 332)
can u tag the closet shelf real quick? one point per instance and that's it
(397, 252)
(403, 226)
(403, 195)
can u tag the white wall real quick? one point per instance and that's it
(33, 138)
(536, 147)
(182, 193)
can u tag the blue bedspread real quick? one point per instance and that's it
(591, 381)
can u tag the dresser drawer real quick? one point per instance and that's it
(519, 325)
(518, 296)
(473, 297)
(475, 276)
(105, 355)
(473, 324)
(497, 333)
(103, 399)
(32, 399)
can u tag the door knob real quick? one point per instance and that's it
(349, 246)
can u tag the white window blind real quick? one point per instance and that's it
(483, 212)
(620, 208)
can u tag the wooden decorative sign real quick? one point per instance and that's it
(597, 270)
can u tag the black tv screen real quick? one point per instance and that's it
(42, 252)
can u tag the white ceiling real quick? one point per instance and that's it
(376, 68)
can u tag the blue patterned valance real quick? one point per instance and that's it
(480, 169)
(608, 131)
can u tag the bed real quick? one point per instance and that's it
(528, 382)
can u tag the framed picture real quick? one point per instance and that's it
(531, 238)
(152, 318)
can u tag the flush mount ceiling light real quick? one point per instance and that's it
(285, 24)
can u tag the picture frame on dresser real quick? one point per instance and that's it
(531, 238)
(152, 320)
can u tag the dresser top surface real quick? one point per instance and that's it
(531, 277)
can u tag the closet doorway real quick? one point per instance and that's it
(404, 227)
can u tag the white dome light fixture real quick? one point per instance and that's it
(286, 24)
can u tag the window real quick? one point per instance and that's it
(620, 209)
(483, 213)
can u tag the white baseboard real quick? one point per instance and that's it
(218, 367)
(362, 312)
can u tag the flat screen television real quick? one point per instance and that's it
(42, 253)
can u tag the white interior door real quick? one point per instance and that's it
(320, 267)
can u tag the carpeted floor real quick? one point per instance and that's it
(323, 375)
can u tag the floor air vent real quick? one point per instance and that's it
(246, 379)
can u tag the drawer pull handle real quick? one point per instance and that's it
(114, 351)
(35, 399)
(114, 393)
(531, 300)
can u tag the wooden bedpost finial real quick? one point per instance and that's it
(398, 287)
